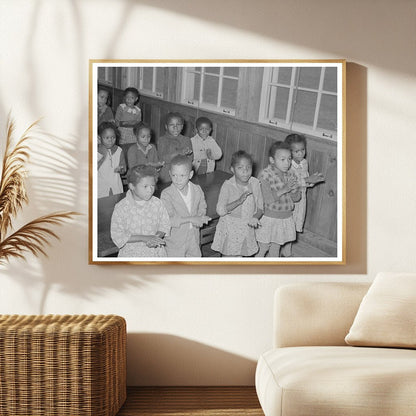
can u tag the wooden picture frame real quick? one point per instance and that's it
(251, 104)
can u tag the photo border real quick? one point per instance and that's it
(340, 259)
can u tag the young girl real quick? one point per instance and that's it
(111, 161)
(205, 148)
(172, 144)
(297, 143)
(140, 221)
(128, 114)
(104, 111)
(240, 205)
(143, 153)
(280, 190)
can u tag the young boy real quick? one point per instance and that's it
(186, 206)
(172, 143)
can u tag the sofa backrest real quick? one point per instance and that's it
(308, 314)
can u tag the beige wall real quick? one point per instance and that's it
(204, 325)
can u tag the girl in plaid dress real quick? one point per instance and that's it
(280, 190)
(128, 114)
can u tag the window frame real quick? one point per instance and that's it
(289, 124)
(218, 108)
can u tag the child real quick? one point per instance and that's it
(104, 111)
(128, 115)
(111, 161)
(280, 190)
(240, 205)
(185, 203)
(140, 222)
(143, 153)
(205, 148)
(172, 144)
(297, 143)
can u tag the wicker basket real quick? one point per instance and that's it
(71, 365)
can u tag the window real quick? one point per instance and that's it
(211, 88)
(302, 99)
(151, 80)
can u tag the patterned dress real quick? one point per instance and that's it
(301, 171)
(277, 225)
(233, 236)
(130, 114)
(132, 217)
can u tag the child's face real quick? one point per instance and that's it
(180, 175)
(242, 171)
(102, 98)
(108, 138)
(204, 130)
(143, 137)
(144, 189)
(298, 151)
(130, 99)
(282, 159)
(174, 126)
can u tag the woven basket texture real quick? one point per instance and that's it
(54, 365)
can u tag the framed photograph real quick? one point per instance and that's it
(217, 162)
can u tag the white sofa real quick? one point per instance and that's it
(311, 371)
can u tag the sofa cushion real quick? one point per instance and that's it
(387, 314)
(304, 381)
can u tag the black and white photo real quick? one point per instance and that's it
(225, 162)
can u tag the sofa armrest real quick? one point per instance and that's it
(308, 314)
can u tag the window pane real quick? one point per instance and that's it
(231, 71)
(330, 79)
(229, 93)
(212, 70)
(279, 98)
(210, 90)
(327, 118)
(305, 107)
(309, 77)
(285, 75)
(147, 78)
(160, 78)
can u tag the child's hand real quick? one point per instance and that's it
(244, 196)
(154, 241)
(199, 221)
(187, 151)
(315, 178)
(292, 183)
(209, 154)
(253, 222)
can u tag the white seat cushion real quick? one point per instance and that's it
(337, 381)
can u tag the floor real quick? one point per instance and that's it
(191, 401)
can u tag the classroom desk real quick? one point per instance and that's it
(210, 184)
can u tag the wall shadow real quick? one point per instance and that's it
(169, 360)
(319, 25)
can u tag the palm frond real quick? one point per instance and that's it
(12, 183)
(33, 237)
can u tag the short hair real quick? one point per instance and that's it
(140, 126)
(295, 138)
(172, 115)
(108, 125)
(240, 154)
(108, 102)
(133, 90)
(181, 160)
(202, 120)
(138, 172)
(277, 146)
